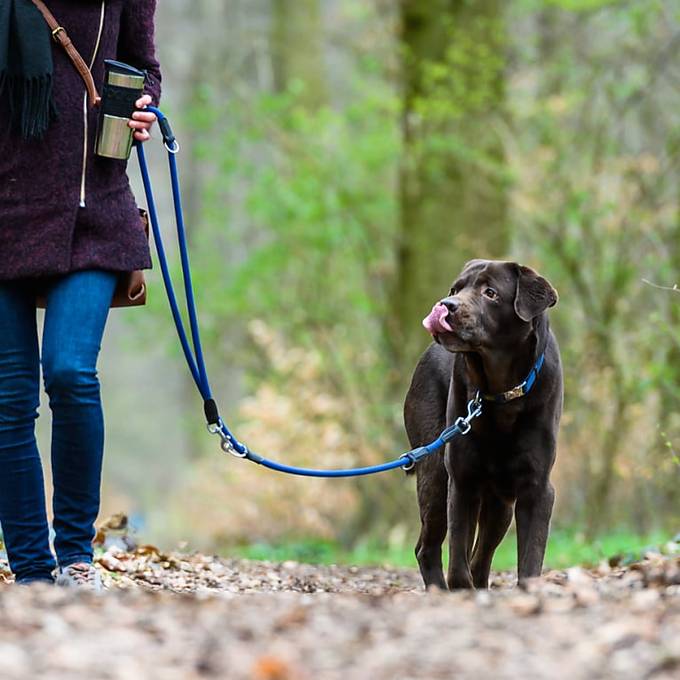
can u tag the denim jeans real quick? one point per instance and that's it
(77, 309)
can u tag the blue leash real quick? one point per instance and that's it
(193, 351)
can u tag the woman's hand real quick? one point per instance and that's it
(142, 121)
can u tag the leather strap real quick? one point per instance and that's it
(60, 36)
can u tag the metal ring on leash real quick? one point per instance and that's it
(463, 425)
(175, 147)
(410, 465)
(214, 428)
(228, 447)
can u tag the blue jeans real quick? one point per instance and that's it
(77, 308)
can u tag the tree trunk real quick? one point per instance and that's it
(453, 201)
(297, 50)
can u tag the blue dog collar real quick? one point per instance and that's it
(521, 389)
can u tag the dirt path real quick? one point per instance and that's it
(185, 617)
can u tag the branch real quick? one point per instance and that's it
(674, 288)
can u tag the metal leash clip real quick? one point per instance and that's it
(227, 443)
(474, 409)
(460, 426)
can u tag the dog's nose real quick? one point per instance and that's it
(450, 303)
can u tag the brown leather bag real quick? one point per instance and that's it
(131, 289)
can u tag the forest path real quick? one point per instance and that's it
(175, 616)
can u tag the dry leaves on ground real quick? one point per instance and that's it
(179, 616)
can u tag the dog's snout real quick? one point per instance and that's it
(450, 303)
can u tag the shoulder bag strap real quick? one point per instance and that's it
(59, 34)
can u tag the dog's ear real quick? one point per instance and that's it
(533, 295)
(474, 263)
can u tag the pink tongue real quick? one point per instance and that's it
(435, 321)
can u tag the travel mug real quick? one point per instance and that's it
(123, 86)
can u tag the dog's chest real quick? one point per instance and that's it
(498, 463)
(498, 423)
(493, 446)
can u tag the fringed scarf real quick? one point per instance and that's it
(26, 68)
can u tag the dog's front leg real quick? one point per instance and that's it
(495, 517)
(532, 515)
(463, 512)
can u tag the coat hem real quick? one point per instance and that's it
(29, 274)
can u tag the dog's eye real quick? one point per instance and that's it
(491, 293)
(452, 292)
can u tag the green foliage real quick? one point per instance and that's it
(566, 548)
(596, 206)
(317, 194)
(555, 121)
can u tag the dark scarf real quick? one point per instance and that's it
(26, 68)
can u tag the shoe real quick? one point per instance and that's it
(80, 575)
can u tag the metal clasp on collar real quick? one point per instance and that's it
(515, 392)
(227, 443)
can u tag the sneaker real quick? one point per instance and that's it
(80, 575)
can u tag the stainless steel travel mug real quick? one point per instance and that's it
(123, 86)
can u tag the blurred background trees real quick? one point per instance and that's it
(452, 79)
(341, 160)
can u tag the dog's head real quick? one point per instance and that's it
(491, 305)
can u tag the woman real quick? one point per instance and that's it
(69, 228)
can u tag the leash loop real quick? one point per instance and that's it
(193, 352)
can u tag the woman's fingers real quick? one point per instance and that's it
(142, 121)
(140, 124)
(144, 115)
(143, 101)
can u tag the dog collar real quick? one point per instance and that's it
(521, 389)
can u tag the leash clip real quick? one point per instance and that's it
(474, 409)
(227, 446)
(463, 425)
(214, 428)
(227, 443)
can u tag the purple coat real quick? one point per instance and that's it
(62, 208)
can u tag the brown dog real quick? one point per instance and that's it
(491, 337)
